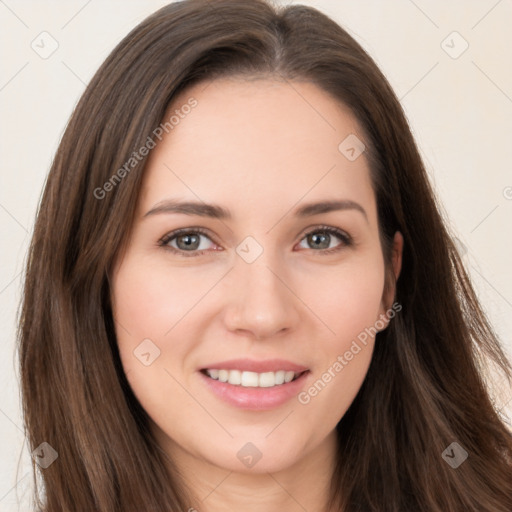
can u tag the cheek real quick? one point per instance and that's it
(150, 299)
(348, 300)
(326, 399)
(142, 311)
(145, 308)
(349, 306)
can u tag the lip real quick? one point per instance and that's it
(250, 365)
(252, 398)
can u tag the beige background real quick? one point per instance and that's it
(459, 107)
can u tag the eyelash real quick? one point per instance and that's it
(344, 237)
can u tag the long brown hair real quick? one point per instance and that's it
(425, 387)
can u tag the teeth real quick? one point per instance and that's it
(214, 374)
(249, 379)
(234, 377)
(252, 379)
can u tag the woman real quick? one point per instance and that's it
(240, 292)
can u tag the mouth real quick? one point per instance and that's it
(255, 385)
(250, 379)
(255, 391)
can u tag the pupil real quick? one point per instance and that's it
(321, 240)
(190, 241)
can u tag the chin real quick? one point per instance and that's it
(259, 456)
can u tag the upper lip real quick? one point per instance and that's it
(250, 365)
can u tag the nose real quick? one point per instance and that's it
(261, 302)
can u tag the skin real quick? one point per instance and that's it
(260, 149)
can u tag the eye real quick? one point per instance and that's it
(186, 240)
(321, 238)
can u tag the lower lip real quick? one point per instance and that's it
(252, 398)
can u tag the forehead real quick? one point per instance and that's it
(258, 141)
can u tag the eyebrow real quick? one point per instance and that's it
(170, 206)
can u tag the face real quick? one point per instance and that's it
(260, 288)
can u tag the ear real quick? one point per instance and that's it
(392, 274)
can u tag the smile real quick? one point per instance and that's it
(252, 379)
